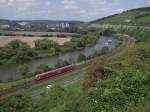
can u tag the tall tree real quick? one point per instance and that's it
(24, 71)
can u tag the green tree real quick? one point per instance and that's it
(42, 68)
(81, 57)
(96, 53)
(24, 71)
(17, 103)
(61, 63)
(15, 44)
(104, 50)
(16, 52)
(45, 44)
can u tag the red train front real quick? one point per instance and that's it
(54, 72)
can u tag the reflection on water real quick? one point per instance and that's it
(10, 71)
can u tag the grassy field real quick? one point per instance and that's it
(30, 40)
(37, 33)
(75, 87)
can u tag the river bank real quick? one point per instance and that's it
(11, 71)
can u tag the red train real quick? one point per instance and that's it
(55, 72)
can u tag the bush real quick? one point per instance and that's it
(81, 57)
(16, 52)
(104, 50)
(42, 68)
(61, 63)
(17, 103)
(45, 44)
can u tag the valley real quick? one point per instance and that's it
(102, 65)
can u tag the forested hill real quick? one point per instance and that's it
(140, 16)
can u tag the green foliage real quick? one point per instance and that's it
(19, 52)
(17, 103)
(116, 92)
(61, 63)
(123, 88)
(16, 44)
(122, 85)
(104, 50)
(16, 52)
(139, 35)
(88, 38)
(81, 57)
(42, 68)
(126, 82)
(45, 44)
(139, 16)
(24, 70)
(108, 32)
(100, 52)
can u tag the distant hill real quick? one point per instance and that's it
(140, 16)
(36, 25)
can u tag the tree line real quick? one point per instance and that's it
(19, 52)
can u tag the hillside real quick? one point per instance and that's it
(140, 16)
(36, 25)
(119, 83)
(113, 81)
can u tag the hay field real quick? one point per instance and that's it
(30, 40)
(37, 33)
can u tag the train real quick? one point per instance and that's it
(55, 72)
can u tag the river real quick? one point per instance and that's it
(11, 71)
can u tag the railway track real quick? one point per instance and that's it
(32, 83)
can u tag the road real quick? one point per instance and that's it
(61, 84)
(32, 83)
(74, 79)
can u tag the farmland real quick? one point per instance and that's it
(104, 80)
(31, 33)
(4, 40)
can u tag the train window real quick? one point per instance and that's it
(59, 71)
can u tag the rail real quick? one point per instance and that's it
(29, 84)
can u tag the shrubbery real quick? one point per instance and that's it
(81, 57)
(19, 52)
(122, 85)
(42, 68)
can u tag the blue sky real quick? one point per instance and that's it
(84, 10)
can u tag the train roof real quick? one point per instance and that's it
(55, 70)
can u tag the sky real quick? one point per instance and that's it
(84, 10)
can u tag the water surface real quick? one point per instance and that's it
(11, 71)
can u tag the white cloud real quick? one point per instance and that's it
(119, 10)
(20, 2)
(2, 1)
(106, 9)
(71, 7)
(47, 3)
(97, 2)
(83, 11)
(148, 2)
(70, 4)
